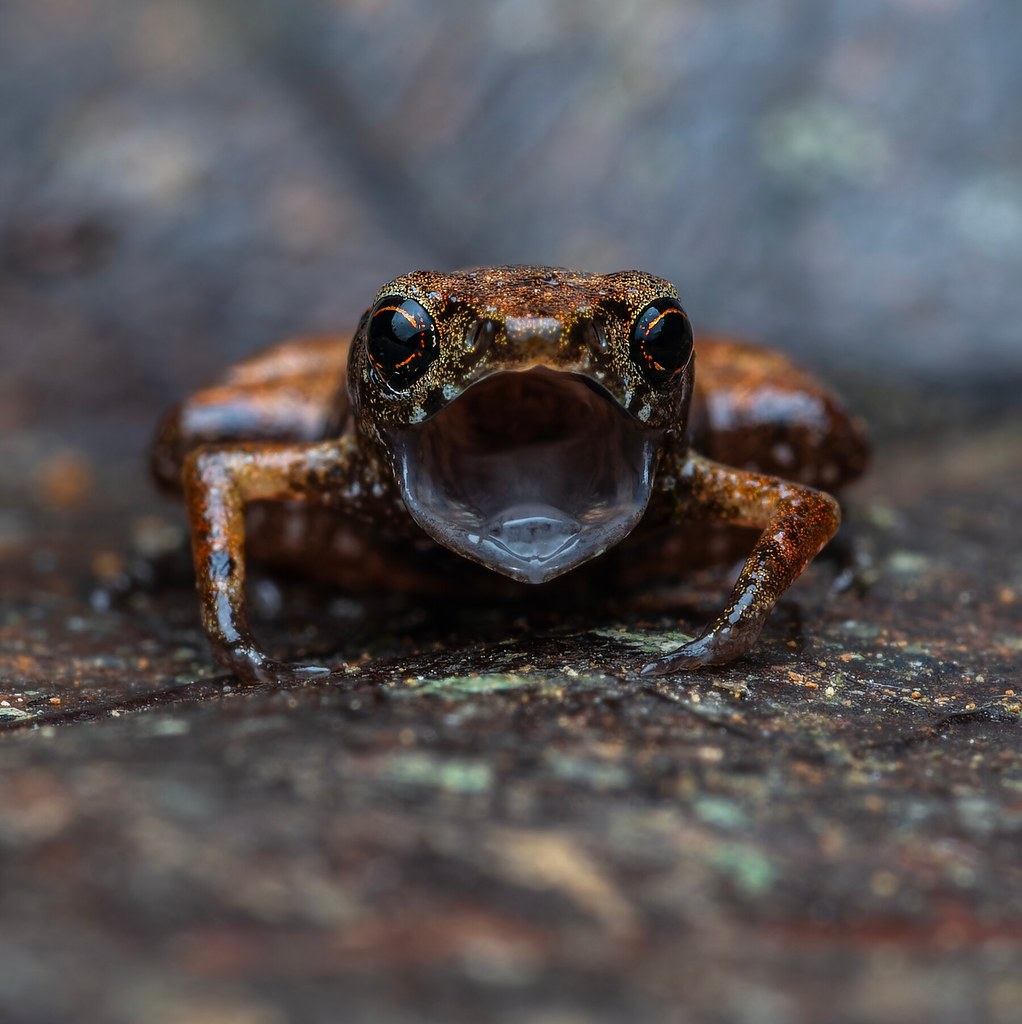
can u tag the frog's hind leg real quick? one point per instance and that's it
(293, 392)
(796, 522)
(755, 409)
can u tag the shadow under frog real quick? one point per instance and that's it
(525, 418)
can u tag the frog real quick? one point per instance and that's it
(522, 422)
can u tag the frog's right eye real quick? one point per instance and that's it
(661, 341)
(401, 340)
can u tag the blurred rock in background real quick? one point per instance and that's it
(184, 181)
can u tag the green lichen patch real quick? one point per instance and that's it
(652, 642)
(456, 775)
(747, 866)
(473, 685)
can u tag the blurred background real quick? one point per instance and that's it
(183, 181)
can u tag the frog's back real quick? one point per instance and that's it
(293, 392)
(753, 408)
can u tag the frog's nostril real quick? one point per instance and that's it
(479, 337)
(593, 335)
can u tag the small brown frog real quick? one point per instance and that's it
(528, 419)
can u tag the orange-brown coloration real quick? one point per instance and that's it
(279, 429)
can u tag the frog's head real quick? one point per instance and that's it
(524, 409)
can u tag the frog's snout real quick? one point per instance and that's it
(528, 472)
(528, 331)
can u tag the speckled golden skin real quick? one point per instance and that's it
(534, 316)
(290, 426)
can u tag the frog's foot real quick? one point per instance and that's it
(796, 523)
(716, 646)
(253, 668)
(219, 484)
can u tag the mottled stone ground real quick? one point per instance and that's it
(483, 821)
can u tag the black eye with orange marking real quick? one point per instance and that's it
(661, 341)
(401, 340)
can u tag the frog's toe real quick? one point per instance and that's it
(681, 660)
(253, 668)
(303, 672)
(716, 647)
(282, 673)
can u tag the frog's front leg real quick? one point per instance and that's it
(219, 483)
(796, 521)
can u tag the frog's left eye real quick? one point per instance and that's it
(661, 341)
(401, 340)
